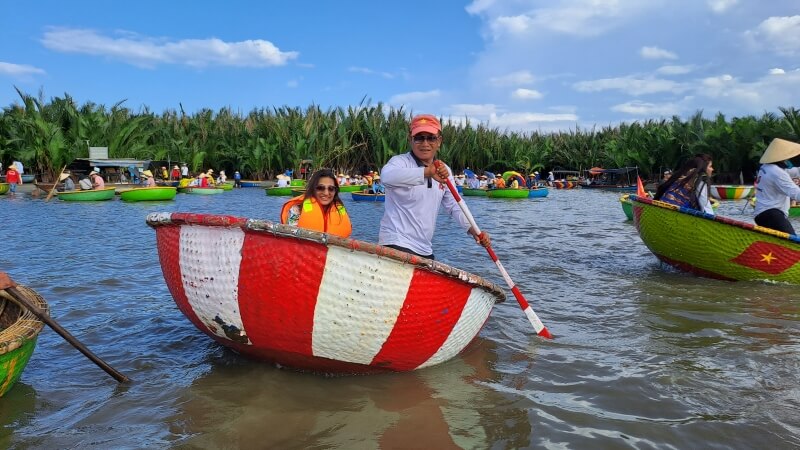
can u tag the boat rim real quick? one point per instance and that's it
(160, 219)
(27, 326)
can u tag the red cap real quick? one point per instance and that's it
(425, 123)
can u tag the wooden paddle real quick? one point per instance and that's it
(532, 317)
(58, 180)
(20, 299)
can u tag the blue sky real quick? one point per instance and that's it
(517, 65)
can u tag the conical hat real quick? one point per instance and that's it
(780, 150)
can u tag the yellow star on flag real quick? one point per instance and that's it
(767, 258)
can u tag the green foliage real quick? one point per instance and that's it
(47, 135)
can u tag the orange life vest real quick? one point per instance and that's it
(337, 221)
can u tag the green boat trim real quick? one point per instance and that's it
(467, 192)
(4, 188)
(627, 207)
(353, 188)
(226, 186)
(19, 330)
(159, 193)
(507, 193)
(93, 195)
(715, 246)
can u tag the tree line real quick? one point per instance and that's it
(48, 134)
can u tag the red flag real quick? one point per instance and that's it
(640, 192)
(767, 257)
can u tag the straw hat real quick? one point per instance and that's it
(341, 175)
(93, 173)
(147, 173)
(780, 150)
(210, 171)
(376, 177)
(63, 177)
(175, 167)
(281, 176)
(12, 167)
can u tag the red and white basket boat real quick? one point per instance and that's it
(317, 302)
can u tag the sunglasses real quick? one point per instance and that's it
(323, 188)
(422, 138)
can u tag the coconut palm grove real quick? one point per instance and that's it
(48, 134)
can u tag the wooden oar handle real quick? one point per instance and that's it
(44, 317)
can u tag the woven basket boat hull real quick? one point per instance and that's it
(714, 246)
(279, 191)
(19, 330)
(4, 188)
(316, 302)
(538, 192)
(158, 193)
(93, 195)
(467, 192)
(365, 196)
(507, 193)
(731, 192)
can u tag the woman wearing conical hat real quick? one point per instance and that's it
(775, 188)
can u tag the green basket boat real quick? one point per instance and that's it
(93, 195)
(353, 188)
(19, 330)
(226, 186)
(466, 192)
(279, 191)
(507, 193)
(715, 246)
(4, 188)
(297, 182)
(200, 190)
(149, 194)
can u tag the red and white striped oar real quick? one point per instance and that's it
(541, 330)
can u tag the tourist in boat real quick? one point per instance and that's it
(283, 180)
(319, 208)
(377, 186)
(149, 181)
(237, 179)
(97, 181)
(13, 178)
(222, 178)
(415, 192)
(460, 179)
(774, 186)
(473, 182)
(175, 174)
(499, 183)
(689, 185)
(69, 185)
(514, 183)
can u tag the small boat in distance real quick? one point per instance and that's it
(19, 331)
(623, 179)
(366, 196)
(149, 194)
(732, 191)
(92, 195)
(355, 306)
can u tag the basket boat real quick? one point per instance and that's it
(715, 246)
(4, 188)
(19, 330)
(93, 195)
(538, 192)
(252, 183)
(467, 192)
(352, 187)
(365, 196)
(200, 190)
(732, 191)
(280, 191)
(226, 186)
(507, 193)
(316, 302)
(149, 194)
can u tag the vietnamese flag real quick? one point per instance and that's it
(640, 192)
(766, 257)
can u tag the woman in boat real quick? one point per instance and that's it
(377, 186)
(689, 186)
(98, 182)
(149, 181)
(319, 208)
(774, 186)
(69, 185)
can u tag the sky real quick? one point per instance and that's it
(513, 65)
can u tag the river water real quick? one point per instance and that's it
(643, 357)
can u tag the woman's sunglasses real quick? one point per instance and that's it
(323, 188)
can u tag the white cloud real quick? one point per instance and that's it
(413, 97)
(148, 52)
(778, 34)
(468, 109)
(367, 71)
(777, 71)
(576, 17)
(765, 93)
(526, 94)
(630, 85)
(648, 109)
(527, 120)
(518, 78)
(720, 6)
(19, 70)
(656, 53)
(292, 83)
(674, 70)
